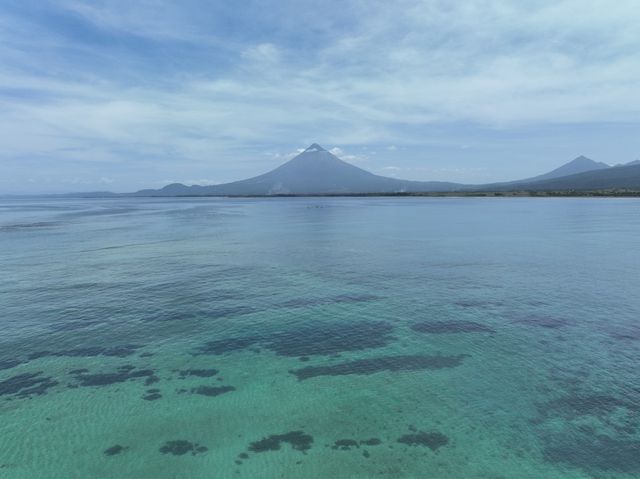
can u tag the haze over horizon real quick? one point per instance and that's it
(121, 96)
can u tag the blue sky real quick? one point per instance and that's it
(121, 95)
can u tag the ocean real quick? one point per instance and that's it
(319, 338)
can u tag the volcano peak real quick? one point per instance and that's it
(314, 147)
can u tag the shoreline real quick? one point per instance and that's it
(432, 194)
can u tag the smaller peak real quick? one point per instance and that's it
(583, 160)
(315, 147)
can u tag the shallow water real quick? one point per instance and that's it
(315, 338)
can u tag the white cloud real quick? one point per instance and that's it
(282, 157)
(262, 53)
(398, 70)
(351, 158)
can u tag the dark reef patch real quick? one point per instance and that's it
(332, 338)
(342, 298)
(311, 339)
(212, 391)
(229, 311)
(345, 444)
(450, 327)
(586, 414)
(201, 373)
(432, 440)
(151, 380)
(26, 385)
(626, 333)
(298, 440)
(212, 313)
(170, 316)
(74, 325)
(181, 447)
(113, 450)
(152, 395)
(576, 405)
(478, 303)
(374, 441)
(384, 363)
(227, 345)
(9, 363)
(105, 379)
(89, 352)
(592, 451)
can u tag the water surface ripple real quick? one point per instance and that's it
(315, 338)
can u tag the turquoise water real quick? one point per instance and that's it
(320, 338)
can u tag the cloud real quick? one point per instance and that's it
(194, 84)
(262, 53)
(282, 157)
(340, 153)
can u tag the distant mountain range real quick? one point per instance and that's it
(574, 167)
(314, 171)
(317, 171)
(613, 177)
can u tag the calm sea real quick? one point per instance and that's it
(320, 338)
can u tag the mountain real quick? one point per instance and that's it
(580, 165)
(618, 177)
(317, 171)
(634, 162)
(314, 171)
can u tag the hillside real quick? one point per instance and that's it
(314, 171)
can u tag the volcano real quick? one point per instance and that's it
(314, 171)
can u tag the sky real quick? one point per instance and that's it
(122, 95)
